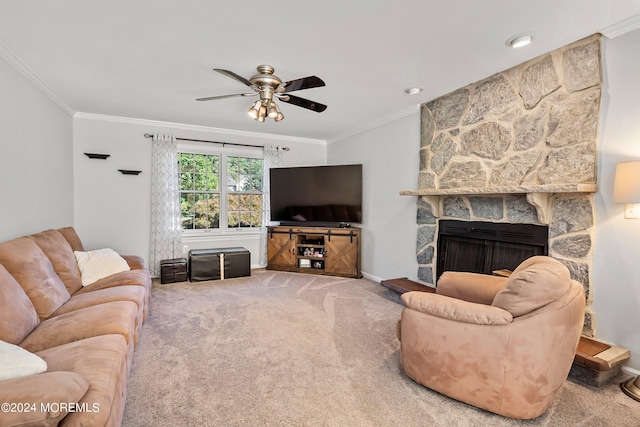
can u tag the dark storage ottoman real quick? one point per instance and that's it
(173, 270)
(236, 263)
(215, 264)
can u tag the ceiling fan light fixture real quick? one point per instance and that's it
(262, 113)
(267, 85)
(272, 110)
(254, 110)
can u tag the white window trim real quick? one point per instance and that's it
(223, 152)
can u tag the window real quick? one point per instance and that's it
(206, 205)
(199, 191)
(244, 192)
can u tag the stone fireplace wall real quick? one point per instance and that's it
(534, 124)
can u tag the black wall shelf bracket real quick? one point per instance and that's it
(97, 156)
(129, 172)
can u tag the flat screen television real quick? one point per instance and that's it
(316, 195)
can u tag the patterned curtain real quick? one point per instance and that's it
(272, 159)
(166, 232)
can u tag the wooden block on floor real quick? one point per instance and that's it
(403, 285)
(597, 362)
(397, 287)
(599, 355)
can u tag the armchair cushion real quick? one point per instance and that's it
(454, 309)
(535, 283)
(472, 287)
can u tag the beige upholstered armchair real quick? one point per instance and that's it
(502, 344)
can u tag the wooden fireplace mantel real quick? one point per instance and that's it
(537, 195)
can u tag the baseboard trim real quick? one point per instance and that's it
(371, 277)
(630, 371)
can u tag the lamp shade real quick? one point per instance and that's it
(626, 186)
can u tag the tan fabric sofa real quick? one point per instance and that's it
(504, 345)
(86, 335)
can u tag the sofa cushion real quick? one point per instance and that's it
(109, 318)
(98, 264)
(16, 362)
(18, 317)
(59, 252)
(126, 278)
(46, 388)
(136, 262)
(29, 265)
(72, 237)
(535, 283)
(104, 362)
(135, 294)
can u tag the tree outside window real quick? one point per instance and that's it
(201, 193)
(244, 192)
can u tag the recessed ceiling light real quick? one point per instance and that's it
(520, 40)
(413, 90)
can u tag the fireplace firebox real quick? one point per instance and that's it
(485, 247)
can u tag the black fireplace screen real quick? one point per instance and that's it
(485, 247)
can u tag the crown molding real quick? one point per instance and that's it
(376, 123)
(25, 71)
(622, 27)
(207, 129)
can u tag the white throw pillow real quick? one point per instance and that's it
(16, 362)
(95, 265)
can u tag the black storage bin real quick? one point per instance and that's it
(223, 263)
(173, 270)
(204, 264)
(237, 263)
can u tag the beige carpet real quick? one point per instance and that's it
(284, 349)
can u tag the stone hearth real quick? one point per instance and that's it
(520, 147)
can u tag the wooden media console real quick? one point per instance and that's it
(333, 251)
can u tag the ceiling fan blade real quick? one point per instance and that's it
(303, 83)
(304, 103)
(211, 98)
(234, 76)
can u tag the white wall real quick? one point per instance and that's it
(616, 277)
(390, 157)
(112, 210)
(36, 181)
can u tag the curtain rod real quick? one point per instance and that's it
(148, 135)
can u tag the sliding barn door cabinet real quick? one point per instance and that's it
(315, 250)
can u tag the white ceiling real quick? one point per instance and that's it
(150, 59)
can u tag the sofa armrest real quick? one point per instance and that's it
(37, 398)
(472, 287)
(456, 309)
(135, 262)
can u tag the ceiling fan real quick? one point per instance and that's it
(268, 86)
